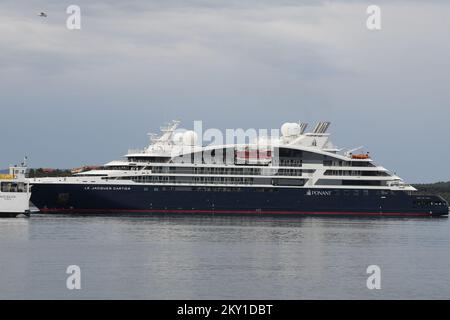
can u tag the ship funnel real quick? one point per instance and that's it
(321, 127)
(303, 127)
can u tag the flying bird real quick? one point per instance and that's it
(42, 14)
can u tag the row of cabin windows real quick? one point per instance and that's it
(225, 156)
(428, 203)
(210, 189)
(357, 193)
(328, 182)
(149, 159)
(361, 183)
(338, 193)
(211, 180)
(355, 173)
(288, 182)
(227, 161)
(208, 157)
(289, 172)
(341, 163)
(203, 170)
(13, 187)
(290, 162)
(216, 180)
(290, 153)
(125, 168)
(231, 171)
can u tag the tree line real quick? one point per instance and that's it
(440, 188)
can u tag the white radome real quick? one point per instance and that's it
(290, 129)
(178, 138)
(190, 138)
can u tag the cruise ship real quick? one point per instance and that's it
(293, 173)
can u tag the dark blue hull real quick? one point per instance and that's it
(136, 199)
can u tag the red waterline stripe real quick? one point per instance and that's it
(237, 212)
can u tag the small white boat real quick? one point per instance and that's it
(15, 192)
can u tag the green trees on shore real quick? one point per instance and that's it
(43, 172)
(440, 188)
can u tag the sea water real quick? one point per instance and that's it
(223, 257)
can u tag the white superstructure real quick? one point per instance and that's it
(296, 159)
(14, 192)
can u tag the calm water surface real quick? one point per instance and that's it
(200, 257)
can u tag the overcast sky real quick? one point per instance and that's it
(70, 98)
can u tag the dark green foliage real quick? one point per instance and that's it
(440, 188)
(40, 172)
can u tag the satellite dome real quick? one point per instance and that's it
(190, 138)
(290, 129)
(178, 138)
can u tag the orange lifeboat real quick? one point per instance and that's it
(360, 156)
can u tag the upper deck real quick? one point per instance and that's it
(15, 181)
(297, 157)
(172, 146)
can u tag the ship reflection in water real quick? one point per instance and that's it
(220, 257)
